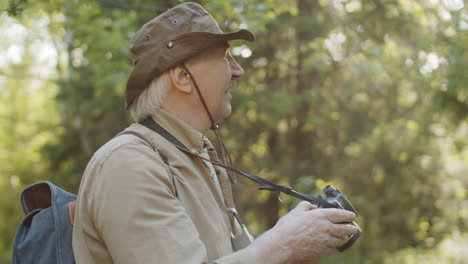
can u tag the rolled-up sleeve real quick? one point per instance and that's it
(138, 215)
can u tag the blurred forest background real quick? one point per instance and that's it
(370, 96)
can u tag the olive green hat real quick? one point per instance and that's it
(170, 39)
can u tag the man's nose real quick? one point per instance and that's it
(236, 69)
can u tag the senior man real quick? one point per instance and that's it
(151, 194)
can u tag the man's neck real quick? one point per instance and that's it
(196, 119)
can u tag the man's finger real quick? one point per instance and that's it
(339, 215)
(343, 230)
(305, 206)
(328, 251)
(335, 242)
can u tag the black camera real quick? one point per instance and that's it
(335, 199)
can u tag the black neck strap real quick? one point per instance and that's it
(266, 184)
(214, 126)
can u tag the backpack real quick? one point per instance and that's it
(44, 236)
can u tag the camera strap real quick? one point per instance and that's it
(266, 184)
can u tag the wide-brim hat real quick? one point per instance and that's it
(170, 39)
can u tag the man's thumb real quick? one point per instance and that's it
(305, 206)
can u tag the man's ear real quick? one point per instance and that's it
(180, 79)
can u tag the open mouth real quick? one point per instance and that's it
(230, 85)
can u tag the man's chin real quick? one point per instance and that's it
(227, 112)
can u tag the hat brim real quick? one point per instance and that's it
(177, 50)
(242, 34)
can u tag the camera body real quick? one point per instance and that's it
(337, 199)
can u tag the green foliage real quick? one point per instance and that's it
(16, 7)
(370, 96)
(450, 250)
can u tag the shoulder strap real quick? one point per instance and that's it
(162, 155)
(151, 124)
(266, 184)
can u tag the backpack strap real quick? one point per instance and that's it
(71, 211)
(162, 155)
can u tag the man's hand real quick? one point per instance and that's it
(304, 235)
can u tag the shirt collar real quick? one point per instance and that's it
(186, 134)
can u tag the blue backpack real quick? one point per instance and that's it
(44, 236)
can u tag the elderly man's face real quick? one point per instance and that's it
(213, 71)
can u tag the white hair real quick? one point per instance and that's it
(150, 98)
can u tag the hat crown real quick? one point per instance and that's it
(184, 18)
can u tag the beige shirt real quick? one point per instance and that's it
(132, 209)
